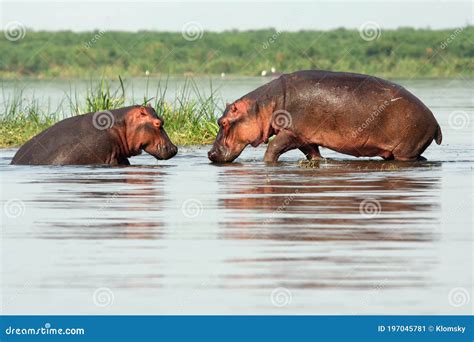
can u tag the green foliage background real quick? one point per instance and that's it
(404, 52)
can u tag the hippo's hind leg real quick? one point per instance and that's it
(311, 151)
(283, 142)
(408, 156)
(412, 152)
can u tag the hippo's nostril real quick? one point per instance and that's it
(174, 150)
(212, 155)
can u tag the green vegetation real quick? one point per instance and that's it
(189, 119)
(404, 52)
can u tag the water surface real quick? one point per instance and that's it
(346, 236)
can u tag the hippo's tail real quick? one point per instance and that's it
(438, 135)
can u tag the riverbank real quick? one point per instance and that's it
(404, 52)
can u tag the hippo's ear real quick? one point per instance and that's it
(240, 106)
(142, 111)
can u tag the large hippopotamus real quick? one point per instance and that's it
(355, 114)
(104, 137)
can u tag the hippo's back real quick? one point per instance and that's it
(340, 83)
(355, 95)
(356, 110)
(56, 143)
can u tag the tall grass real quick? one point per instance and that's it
(190, 118)
(192, 115)
(98, 97)
(22, 118)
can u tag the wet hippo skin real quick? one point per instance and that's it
(354, 114)
(105, 137)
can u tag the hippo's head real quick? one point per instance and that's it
(145, 131)
(239, 126)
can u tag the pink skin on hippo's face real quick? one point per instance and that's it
(147, 133)
(237, 129)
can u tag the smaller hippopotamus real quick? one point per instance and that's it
(359, 115)
(104, 137)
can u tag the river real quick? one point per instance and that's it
(184, 236)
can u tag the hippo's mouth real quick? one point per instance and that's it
(163, 152)
(221, 154)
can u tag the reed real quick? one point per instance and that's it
(190, 117)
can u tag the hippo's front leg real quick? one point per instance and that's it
(311, 151)
(283, 142)
(123, 161)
